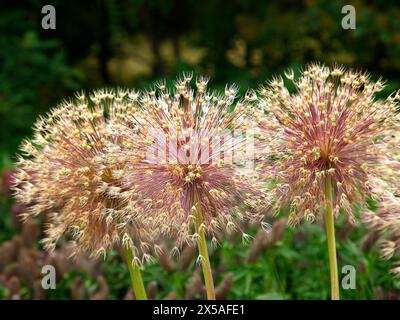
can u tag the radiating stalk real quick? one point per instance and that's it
(330, 233)
(202, 245)
(136, 277)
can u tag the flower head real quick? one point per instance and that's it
(63, 172)
(332, 126)
(384, 215)
(189, 147)
(385, 219)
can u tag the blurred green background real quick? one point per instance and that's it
(132, 43)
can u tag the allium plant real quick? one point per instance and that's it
(187, 155)
(64, 172)
(385, 218)
(324, 144)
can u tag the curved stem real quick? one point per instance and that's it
(136, 277)
(330, 233)
(202, 245)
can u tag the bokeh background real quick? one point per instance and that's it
(132, 43)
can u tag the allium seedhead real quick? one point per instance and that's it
(385, 219)
(384, 216)
(331, 126)
(63, 172)
(190, 147)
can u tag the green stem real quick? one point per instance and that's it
(330, 233)
(136, 277)
(202, 245)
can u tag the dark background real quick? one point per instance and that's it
(132, 43)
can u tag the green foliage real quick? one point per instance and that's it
(295, 268)
(5, 221)
(29, 83)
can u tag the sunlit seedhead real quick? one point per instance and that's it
(186, 147)
(332, 125)
(64, 171)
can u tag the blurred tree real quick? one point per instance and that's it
(33, 75)
(102, 42)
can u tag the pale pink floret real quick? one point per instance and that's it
(190, 143)
(63, 173)
(385, 219)
(331, 125)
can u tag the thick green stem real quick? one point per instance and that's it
(136, 277)
(202, 245)
(330, 233)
